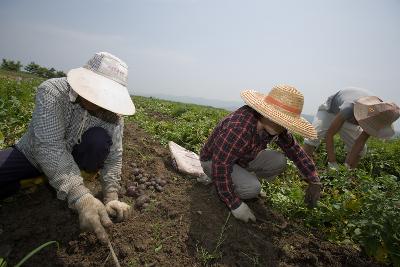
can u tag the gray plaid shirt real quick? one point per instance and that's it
(57, 125)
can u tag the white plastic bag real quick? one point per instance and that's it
(188, 162)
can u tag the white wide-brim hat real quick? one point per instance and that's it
(103, 81)
(375, 116)
(282, 105)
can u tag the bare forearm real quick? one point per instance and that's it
(354, 156)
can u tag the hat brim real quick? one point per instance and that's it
(297, 125)
(101, 91)
(384, 133)
(359, 114)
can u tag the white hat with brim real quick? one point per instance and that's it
(376, 116)
(102, 81)
(283, 105)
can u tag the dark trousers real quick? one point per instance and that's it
(89, 154)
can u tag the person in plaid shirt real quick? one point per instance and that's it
(237, 148)
(76, 126)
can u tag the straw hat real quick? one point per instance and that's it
(103, 81)
(375, 116)
(283, 105)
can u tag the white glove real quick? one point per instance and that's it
(116, 208)
(333, 166)
(243, 213)
(93, 216)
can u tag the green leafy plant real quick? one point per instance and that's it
(3, 262)
(16, 106)
(360, 208)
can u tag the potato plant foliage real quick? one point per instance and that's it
(359, 208)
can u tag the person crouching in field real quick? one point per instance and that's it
(356, 115)
(76, 125)
(237, 148)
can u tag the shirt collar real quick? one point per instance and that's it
(72, 95)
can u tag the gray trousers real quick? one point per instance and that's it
(267, 165)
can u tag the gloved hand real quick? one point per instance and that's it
(116, 208)
(93, 216)
(333, 166)
(243, 213)
(313, 193)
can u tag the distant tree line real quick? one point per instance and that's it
(32, 68)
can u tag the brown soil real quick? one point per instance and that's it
(186, 225)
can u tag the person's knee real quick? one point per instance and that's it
(249, 190)
(281, 163)
(206, 165)
(96, 138)
(93, 149)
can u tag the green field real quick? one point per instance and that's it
(361, 208)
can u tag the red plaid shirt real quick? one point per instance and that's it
(235, 141)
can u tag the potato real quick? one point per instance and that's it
(159, 188)
(131, 191)
(142, 186)
(141, 200)
(136, 171)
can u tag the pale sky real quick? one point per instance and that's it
(216, 48)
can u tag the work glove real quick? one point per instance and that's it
(333, 166)
(115, 208)
(243, 213)
(93, 216)
(313, 193)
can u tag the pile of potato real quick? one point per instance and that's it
(141, 182)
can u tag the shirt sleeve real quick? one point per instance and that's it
(230, 145)
(300, 158)
(111, 172)
(49, 147)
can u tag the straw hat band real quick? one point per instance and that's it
(270, 100)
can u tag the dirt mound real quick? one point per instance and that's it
(185, 225)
